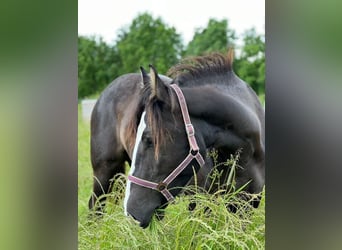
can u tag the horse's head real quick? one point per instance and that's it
(166, 152)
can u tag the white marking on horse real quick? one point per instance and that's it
(141, 129)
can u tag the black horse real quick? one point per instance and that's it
(166, 127)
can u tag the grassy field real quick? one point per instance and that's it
(180, 229)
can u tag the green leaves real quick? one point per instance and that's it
(148, 40)
(251, 65)
(97, 65)
(217, 36)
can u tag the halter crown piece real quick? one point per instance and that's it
(193, 153)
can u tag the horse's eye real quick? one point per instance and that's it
(147, 140)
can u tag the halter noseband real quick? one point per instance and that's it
(193, 153)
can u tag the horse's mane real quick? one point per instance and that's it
(190, 71)
(196, 70)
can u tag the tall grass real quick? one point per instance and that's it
(209, 226)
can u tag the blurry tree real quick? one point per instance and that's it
(148, 41)
(250, 66)
(217, 36)
(97, 65)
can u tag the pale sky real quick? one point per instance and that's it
(105, 17)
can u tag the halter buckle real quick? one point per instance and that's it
(190, 129)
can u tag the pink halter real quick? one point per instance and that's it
(193, 153)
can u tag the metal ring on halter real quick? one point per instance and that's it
(193, 152)
(161, 186)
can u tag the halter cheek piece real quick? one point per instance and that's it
(193, 153)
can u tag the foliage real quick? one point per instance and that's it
(208, 226)
(97, 65)
(217, 36)
(148, 41)
(251, 65)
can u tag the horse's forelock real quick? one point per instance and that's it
(154, 109)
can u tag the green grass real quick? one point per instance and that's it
(180, 228)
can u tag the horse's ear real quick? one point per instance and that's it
(158, 87)
(145, 79)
